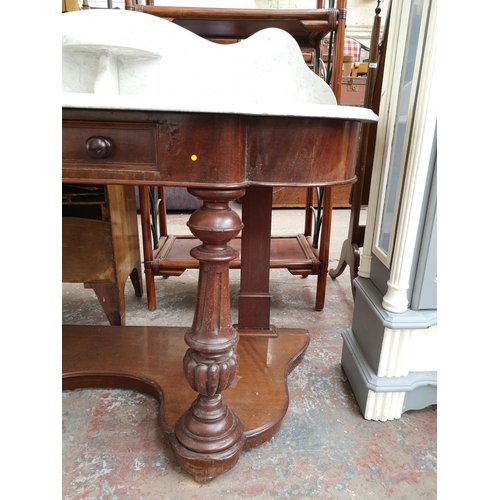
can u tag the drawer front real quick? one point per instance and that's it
(174, 149)
(123, 146)
(318, 152)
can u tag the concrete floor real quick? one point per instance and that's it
(113, 447)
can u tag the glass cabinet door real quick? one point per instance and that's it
(394, 175)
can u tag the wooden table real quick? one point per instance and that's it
(217, 157)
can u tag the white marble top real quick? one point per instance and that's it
(118, 59)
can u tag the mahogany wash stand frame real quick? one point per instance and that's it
(207, 436)
(228, 390)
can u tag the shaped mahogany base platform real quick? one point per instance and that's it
(149, 360)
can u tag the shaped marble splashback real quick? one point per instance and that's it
(118, 59)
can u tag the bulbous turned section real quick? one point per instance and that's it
(210, 376)
(215, 223)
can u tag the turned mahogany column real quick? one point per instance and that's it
(209, 436)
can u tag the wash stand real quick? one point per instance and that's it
(133, 115)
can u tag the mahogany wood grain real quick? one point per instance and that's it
(231, 150)
(321, 150)
(254, 299)
(290, 252)
(149, 360)
(217, 145)
(307, 26)
(208, 437)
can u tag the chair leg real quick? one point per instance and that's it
(308, 212)
(324, 247)
(112, 300)
(162, 210)
(135, 277)
(147, 245)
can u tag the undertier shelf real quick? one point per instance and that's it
(294, 253)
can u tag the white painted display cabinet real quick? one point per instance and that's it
(390, 353)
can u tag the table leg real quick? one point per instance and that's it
(254, 299)
(209, 436)
(252, 372)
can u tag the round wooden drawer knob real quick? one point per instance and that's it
(99, 147)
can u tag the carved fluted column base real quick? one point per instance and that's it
(208, 438)
(208, 465)
(210, 426)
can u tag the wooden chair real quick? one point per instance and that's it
(100, 243)
(300, 254)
